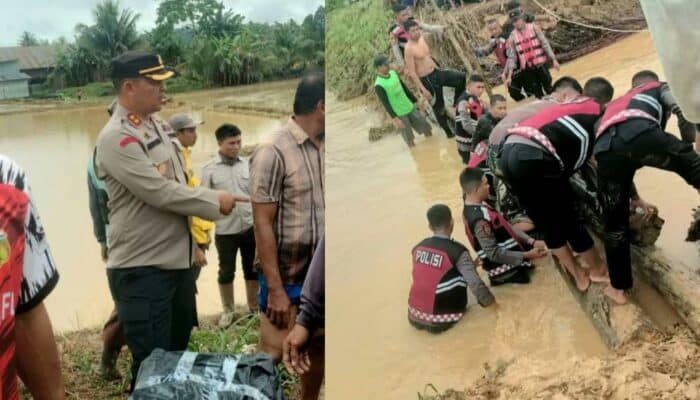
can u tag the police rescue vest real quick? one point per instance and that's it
(643, 101)
(564, 130)
(502, 231)
(529, 48)
(476, 110)
(439, 292)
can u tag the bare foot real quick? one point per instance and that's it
(582, 280)
(599, 278)
(618, 296)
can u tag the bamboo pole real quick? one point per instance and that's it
(468, 59)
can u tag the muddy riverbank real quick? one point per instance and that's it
(271, 99)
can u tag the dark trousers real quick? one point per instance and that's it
(619, 157)
(516, 89)
(434, 83)
(465, 154)
(113, 334)
(156, 308)
(545, 193)
(519, 276)
(227, 246)
(535, 81)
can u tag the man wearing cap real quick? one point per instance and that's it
(112, 332)
(185, 137)
(398, 101)
(151, 248)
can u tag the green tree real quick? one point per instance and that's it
(28, 39)
(113, 32)
(167, 42)
(209, 17)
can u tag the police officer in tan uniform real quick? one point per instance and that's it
(151, 248)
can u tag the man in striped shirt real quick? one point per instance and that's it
(287, 194)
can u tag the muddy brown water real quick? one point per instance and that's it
(54, 148)
(378, 194)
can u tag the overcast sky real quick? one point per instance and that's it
(52, 19)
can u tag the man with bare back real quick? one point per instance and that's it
(428, 77)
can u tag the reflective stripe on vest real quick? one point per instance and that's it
(476, 110)
(530, 51)
(618, 110)
(531, 128)
(438, 287)
(537, 136)
(500, 227)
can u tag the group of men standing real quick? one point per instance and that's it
(160, 218)
(521, 48)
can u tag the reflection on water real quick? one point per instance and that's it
(54, 148)
(378, 195)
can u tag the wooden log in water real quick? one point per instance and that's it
(677, 282)
(616, 325)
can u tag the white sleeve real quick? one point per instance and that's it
(39, 274)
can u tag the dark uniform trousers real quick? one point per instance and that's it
(545, 193)
(227, 246)
(536, 81)
(434, 83)
(620, 152)
(156, 307)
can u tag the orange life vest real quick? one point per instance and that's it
(530, 51)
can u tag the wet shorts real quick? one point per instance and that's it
(293, 292)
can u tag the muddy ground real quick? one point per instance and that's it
(658, 367)
(266, 99)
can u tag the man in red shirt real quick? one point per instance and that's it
(27, 275)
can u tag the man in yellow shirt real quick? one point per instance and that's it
(186, 134)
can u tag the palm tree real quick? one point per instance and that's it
(28, 39)
(114, 30)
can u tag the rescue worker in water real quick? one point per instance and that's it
(505, 251)
(442, 270)
(539, 155)
(629, 136)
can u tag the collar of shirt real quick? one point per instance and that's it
(228, 160)
(179, 145)
(441, 236)
(122, 113)
(299, 134)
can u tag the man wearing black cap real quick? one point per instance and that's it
(151, 248)
(398, 101)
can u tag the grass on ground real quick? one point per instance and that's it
(80, 353)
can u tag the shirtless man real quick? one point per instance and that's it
(398, 36)
(426, 75)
